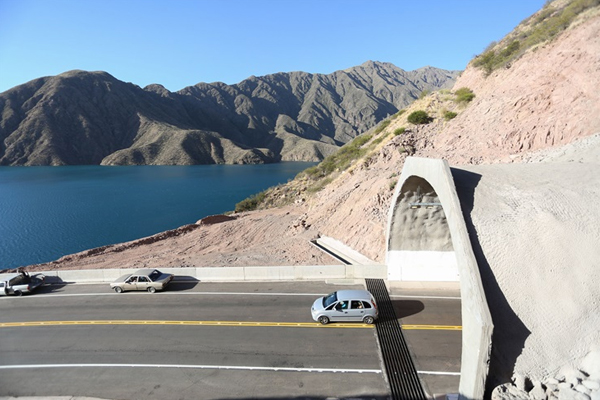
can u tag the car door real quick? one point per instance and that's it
(143, 283)
(357, 311)
(130, 283)
(340, 311)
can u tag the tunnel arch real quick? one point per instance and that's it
(419, 245)
(427, 240)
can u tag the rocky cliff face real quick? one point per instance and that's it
(92, 118)
(547, 98)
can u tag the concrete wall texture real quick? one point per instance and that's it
(422, 266)
(426, 217)
(419, 245)
(232, 274)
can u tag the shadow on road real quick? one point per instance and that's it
(406, 308)
(183, 283)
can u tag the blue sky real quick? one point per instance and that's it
(179, 43)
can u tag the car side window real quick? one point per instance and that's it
(356, 304)
(342, 305)
(143, 279)
(366, 304)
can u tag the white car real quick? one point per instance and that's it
(20, 283)
(344, 306)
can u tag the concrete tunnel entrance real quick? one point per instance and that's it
(427, 240)
(419, 244)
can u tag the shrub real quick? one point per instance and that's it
(359, 141)
(340, 159)
(486, 61)
(546, 26)
(399, 113)
(424, 94)
(448, 115)
(312, 172)
(464, 95)
(492, 60)
(419, 117)
(399, 131)
(384, 124)
(251, 203)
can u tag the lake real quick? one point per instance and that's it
(48, 212)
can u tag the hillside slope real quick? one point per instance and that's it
(84, 117)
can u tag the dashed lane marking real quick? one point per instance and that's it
(184, 323)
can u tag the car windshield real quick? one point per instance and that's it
(329, 299)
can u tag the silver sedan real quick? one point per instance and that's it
(147, 279)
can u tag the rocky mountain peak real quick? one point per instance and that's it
(82, 117)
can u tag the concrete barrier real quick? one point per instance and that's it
(230, 274)
(340, 251)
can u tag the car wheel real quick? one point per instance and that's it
(118, 289)
(18, 293)
(152, 289)
(323, 320)
(368, 320)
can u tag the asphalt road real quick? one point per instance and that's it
(194, 341)
(436, 351)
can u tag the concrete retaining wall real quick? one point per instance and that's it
(232, 274)
(422, 266)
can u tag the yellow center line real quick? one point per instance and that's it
(433, 327)
(185, 323)
(218, 323)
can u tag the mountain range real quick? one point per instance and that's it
(91, 118)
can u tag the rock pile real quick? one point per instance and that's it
(568, 384)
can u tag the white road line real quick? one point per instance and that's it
(226, 367)
(171, 293)
(424, 297)
(438, 373)
(249, 294)
(37, 296)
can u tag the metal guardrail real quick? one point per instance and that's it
(399, 366)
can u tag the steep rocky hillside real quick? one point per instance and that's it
(92, 118)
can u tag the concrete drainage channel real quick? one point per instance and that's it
(399, 367)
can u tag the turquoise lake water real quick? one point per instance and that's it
(48, 212)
